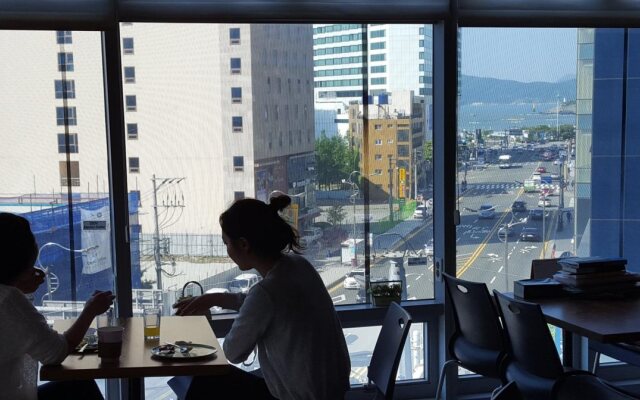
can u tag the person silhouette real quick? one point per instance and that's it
(288, 315)
(26, 337)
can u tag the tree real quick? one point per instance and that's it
(427, 150)
(334, 159)
(336, 215)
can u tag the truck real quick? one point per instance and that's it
(530, 186)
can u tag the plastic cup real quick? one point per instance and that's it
(110, 343)
(151, 318)
(104, 320)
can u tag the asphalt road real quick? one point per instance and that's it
(481, 253)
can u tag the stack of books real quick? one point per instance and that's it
(596, 274)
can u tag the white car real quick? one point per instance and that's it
(242, 283)
(310, 236)
(428, 248)
(354, 279)
(422, 211)
(544, 202)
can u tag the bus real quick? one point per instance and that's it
(504, 161)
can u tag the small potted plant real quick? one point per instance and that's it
(384, 292)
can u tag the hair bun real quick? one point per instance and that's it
(279, 200)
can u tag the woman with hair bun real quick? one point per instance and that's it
(288, 315)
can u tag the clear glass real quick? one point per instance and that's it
(514, 145)
(151, 320)
(58, 177)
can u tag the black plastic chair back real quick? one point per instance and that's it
(530, 341)
(475, 315)
(388, 350)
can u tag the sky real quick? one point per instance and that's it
(520, 54)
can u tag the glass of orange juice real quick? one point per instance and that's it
(151, 318)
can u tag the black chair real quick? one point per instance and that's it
(477, 342)
(533, 362)
(385, 359)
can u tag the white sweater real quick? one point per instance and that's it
(301, 348)
(24, 331)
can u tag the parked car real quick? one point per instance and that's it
(536, 214)
(519, 206)
(486, 211)
(544, 202)
(310, 236)
(242, 283)
(422, 211)
(541, 170)
(529, 234)
(555, 177)
(354, 279)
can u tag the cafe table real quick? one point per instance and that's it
(136, 361)
(601, 320)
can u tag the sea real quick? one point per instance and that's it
(500, 117)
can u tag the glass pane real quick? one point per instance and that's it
(62, 188)
(517, 133)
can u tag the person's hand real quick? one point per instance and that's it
(198, 305)
(29, 281)
(99, 302)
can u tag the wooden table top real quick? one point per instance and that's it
(136, 361)
(604, 320)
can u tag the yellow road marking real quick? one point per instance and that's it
(483, 244)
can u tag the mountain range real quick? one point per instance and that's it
(476, 89)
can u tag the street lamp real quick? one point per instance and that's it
(51, 278)
(354, 193)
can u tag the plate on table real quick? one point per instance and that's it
(88, 344)
(183, 351)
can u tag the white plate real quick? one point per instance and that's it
(197, 352)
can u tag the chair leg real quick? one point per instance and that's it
(442, 375)
(596, 363)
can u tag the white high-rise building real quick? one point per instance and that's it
(214, 111)
(399, 59)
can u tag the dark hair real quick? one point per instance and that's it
(18, 247)
(261, 225)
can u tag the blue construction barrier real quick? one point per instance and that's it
(52, 225)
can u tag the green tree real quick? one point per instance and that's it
(427, 150)
(334, 159)
(336, 215)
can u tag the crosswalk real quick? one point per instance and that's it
(506, 186)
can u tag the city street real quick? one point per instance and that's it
(480, 251)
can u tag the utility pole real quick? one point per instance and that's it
(390, 189)
(415, 173)
(156, 234)
(557, 116)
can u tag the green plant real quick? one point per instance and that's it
(386, 289)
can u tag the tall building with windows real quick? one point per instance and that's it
(388, 57)
(395, 138)
(232, 99)
(607, 145)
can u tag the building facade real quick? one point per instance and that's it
(388, 57)
(229, 98)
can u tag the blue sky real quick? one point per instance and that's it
(520, 54)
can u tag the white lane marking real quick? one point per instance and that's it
(493, 279)
(500, 270)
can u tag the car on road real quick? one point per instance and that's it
(505, 231)
(242, 283)
(486, 211)
(519, 206)
(354, 279)
(428, 248)
(557, 162)
(541, 170)
(544, 202)
(555, 177)
(529, 234)
(422, 211)
(536, 214)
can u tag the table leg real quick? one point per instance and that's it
(567, 348)
(132, 388)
